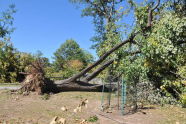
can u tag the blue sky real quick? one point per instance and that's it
(45, 24)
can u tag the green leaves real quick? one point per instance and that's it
(70, 50)
(164, 51)
(8, 64)
(70, 58)
(6, 21)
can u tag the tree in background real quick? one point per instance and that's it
(6, 21)
(9, 67)
(70, 58)
(106, 14)
(12, 62)
(8, 57)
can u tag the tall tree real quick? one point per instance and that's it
(105, 14)
(9, 67)
(8, 58)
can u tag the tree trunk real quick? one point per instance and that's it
(78, 86)
(64, 85)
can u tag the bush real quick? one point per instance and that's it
(183, 100)
(93, 118)
(46, 97)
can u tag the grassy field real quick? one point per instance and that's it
(35, 109)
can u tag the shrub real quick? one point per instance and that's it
(46, 97)
(183, 100)
(93, 118)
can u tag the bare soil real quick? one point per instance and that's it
(35, 109)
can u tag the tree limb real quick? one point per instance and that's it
(149, 24)
(99, 10)
(102, 58)
(105, 10)
(106, 64)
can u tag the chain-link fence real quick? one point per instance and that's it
(117, 99)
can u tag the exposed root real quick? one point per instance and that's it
(36, 81)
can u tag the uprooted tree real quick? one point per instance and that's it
(36, 81)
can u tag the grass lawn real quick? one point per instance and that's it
(35, 109)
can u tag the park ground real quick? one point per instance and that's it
(37, 109)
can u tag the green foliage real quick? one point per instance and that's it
(70, 58)
(141, 14)
(12, 62)
(8, 57)
(162, 52)
(93, 118)
(45, 97)
(25, 59)
(183, 100)
(147, 93)
(160, 61)
(69, 50)
(8, 63)
(62, 74)
(6, 21)
(105, 14)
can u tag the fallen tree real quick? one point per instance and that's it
(36, 81)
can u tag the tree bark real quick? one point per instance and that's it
(78, 86)
(150, 16)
